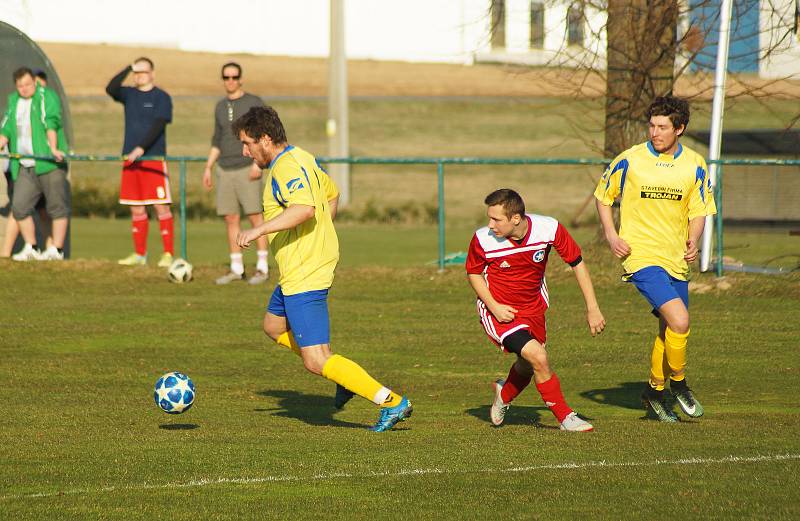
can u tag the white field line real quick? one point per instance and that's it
(729, 460)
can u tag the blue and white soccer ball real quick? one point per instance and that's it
(174, 393)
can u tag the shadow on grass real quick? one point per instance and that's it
(313, 409)
(625, 395)
(178, 426)
(516, 415)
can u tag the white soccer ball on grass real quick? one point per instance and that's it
(179, 271)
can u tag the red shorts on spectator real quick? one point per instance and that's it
(145, 182)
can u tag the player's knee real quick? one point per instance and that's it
(538, 361)
(273, 331)
(680, 324)
(313, 365)
(232, 219)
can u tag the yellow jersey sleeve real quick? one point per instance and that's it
(293, 182)
(701, 198)
(611, 183)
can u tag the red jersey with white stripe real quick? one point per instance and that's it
(514, 270)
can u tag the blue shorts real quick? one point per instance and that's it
(307, 314)
(659, 287)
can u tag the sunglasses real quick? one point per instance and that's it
(230, 77)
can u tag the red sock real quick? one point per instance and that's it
(514, 385)
(167, 236)
(139, 229)
(553, 399)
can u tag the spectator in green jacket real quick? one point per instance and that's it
(32, 126)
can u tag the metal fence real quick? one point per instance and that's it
(439, 163)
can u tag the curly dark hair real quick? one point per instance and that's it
(259, 122)
(676, 109)
(510, 200)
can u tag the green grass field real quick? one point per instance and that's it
(83, 342)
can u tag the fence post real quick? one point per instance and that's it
(440, 176)
(183, 208)
(718, 200)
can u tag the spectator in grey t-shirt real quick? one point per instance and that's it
(239, 180)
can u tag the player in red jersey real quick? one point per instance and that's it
(505, 266)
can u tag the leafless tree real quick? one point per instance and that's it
(657, 47)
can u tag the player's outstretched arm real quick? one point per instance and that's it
(502, 312)
(294, 215)
(618, 245)
(594, 317)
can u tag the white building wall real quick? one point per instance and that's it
(778, 30)
(413, 30)
(454, 31)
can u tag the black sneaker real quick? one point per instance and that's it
(656, 405)
(685, 398)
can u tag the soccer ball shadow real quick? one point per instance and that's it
(516, 415)
(313, 409)
(178, 426)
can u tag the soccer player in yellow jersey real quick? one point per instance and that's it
(665, 195)
(300, 203)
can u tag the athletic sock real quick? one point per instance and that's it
(553, 399)
(353, 377)
(658, 366)
(514, 385)
(261, 264)
(237, 266)
(675, 348)
(167, 225)
(678, 386)
(286, 339)
(139, 228)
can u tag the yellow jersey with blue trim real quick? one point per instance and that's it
(659, 194)
(308, 253)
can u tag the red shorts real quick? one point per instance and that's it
(145, 182)
(497, 331)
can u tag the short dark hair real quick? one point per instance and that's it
(232, 64)
(510, 200)
(21, 72)
(39, 73)
(259, 122)
(676, 109)
(145, 59)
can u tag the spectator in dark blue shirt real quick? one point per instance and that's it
(148, 110)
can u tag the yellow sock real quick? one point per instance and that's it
(286, 339)
(675, 349)
(658, 365)
(352, 376)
